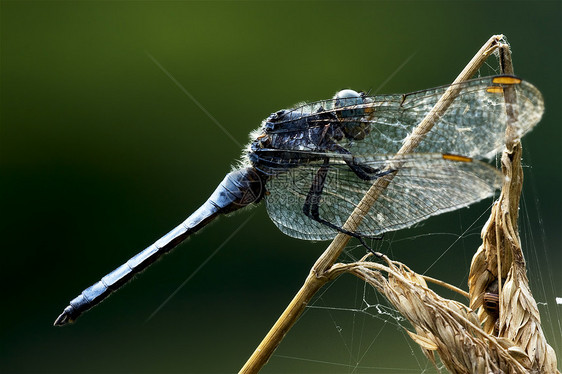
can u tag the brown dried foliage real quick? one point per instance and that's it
(498, 271)
(443, 327)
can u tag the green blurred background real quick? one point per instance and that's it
(101, 153)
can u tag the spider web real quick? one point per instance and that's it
(360, 332)
(543, 267)
(349, 327)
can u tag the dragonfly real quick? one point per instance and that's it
(313, 163)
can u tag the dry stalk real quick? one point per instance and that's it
(498, 284)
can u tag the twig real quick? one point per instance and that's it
(320, 273)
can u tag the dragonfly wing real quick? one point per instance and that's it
(473, 125)
(423, 185)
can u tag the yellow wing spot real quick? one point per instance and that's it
(506, 80)
(456, 158)
(494, 89)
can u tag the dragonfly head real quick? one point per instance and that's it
(350, 110)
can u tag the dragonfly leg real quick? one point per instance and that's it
(364, 172)
(369, 249)
(312, 204)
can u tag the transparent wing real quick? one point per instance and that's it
(473, 126)
(424, 185)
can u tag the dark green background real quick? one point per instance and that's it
(101, 154)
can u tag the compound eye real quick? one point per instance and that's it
(347, 98)
(351, 112)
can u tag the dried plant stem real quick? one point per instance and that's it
(499, 260)
(321, 272)
(445, 285)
